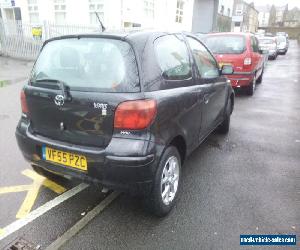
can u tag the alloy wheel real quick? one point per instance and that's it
(169, 180)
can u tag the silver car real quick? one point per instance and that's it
(269, 43)
(283, 44)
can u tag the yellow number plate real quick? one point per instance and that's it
(65, 158)
(221, 64)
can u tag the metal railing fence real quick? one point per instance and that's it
(23, 40)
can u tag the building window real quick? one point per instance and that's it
(149, 8)
(132, 25)
(60, 11)
(222, 9)
(179, 11)
(98, 7)
(239, 9)
(33, 10)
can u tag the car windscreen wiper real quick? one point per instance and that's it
(61, 84)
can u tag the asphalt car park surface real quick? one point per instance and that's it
(244, 183)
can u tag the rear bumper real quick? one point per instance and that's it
(282, 51)
(272, 53)
(126, 168)
(241, 79)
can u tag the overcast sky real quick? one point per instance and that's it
(291, 3)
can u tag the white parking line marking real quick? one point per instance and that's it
(15, 226)
(59, 242)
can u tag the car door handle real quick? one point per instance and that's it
(206, 99)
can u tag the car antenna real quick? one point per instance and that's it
(101, 24)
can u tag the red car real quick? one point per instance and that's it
(240, 50)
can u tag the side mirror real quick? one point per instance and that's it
(227, 70)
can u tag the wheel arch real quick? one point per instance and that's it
(180, 144)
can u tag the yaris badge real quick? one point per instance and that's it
(59, 100)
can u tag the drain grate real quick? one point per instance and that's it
(214, 144)
(21, 244)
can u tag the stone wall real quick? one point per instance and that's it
(294, 32)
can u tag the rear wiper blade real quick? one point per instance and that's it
(62, 85)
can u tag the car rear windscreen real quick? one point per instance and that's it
(88, 64)
(281, 39)
(266, 41)
(226, 44)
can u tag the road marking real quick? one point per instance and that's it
(32, 190)
(14, 189)
(15, 226)
(59, 242)
(45, 182)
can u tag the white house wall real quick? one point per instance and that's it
(198, 15)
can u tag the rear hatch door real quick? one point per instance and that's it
(75, 87)
(228, 48)
(236, 60)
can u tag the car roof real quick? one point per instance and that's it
(230, 33)
(137, 39)
(267, 37)
(130, 36)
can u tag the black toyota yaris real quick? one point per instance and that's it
(123, 110)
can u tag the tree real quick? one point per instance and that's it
(272, 18)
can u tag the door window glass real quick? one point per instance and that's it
(254, 44)
(206, 64)
(173, 58)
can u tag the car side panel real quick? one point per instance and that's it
(257, 60)
(214, 96)
(178, 113)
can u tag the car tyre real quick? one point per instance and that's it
(166, 183)
(259, 79)
(225, 125)
(251, 88)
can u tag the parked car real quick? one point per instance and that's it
(259, 35)
(269, 34)
(123, 110)
(260, 32)
(265, 54)
(270, 44)
(282, 34)
(283, 44)
(240, 50)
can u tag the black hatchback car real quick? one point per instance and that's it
(123, 110)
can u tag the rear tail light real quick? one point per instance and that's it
(135, 114)
(24, 102)
(247, 61)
